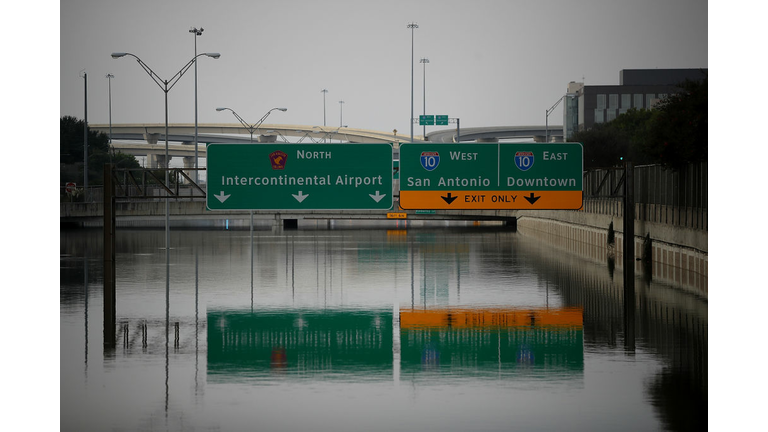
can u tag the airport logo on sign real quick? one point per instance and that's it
(524, 160)
(278, 160)
(430, 160)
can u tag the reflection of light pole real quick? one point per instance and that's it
(424, 61)
(166, 86)
(254, 127)
(412, 26)
(196, 32)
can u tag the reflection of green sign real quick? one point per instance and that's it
(497, 350)
(303, 342)
(299, 176)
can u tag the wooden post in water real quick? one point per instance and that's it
(110, 315)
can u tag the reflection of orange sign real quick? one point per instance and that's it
(564, 317)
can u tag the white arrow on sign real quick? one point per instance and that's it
(377, 197)
(221, 197)
(300, 197)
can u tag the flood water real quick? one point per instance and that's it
(351, 328)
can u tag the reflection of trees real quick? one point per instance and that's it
(681, 404)
(669, 323)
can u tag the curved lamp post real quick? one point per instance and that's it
(254, 127)
(549, 111)
(165, 86)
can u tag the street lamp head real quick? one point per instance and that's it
(282, 109)
(118, 54)
(213, 55)
(221, 109)
(196, 31)
(424, 60)
(109, 75)
(413, 25)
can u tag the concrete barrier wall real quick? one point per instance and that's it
(672, 260)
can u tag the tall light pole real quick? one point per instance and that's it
(109, 77)
(251, 128)
(549, 111)
(412, 26)
(166, 86)
(424, 61)
(197, 32)
(341, 113)
(85, 135)
(324, 92)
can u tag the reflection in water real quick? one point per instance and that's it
(353, 343)
(465, 318)
(303, 343)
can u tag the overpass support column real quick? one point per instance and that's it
(158, 161)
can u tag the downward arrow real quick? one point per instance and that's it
(377, 197)
(300, 197)
(449, 199)
(221, 197)
(532, 199)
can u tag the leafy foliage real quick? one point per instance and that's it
(678, 134)
(673, 134)
(71, 153)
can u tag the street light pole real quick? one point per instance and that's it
(109, 77)
(255, 126)
(341, 113)
(85, 136)
(424, 61)
(197, 32)
(324, 91)
(412, 26)
(549, 111)
(166, 86)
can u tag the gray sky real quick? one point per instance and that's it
(492, 62)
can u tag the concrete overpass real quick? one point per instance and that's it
(495, 133)
(149, 139)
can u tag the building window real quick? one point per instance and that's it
(649, 100)
(601, 102)
(639, 101)
(611, 114)
(599, 116)
(626, 102)
(613, 101)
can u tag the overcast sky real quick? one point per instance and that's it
(491, 62)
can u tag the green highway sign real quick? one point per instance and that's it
(491, 176)
(441, 120)
(426, 120)
(299, 176)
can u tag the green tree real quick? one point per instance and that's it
(673, 134)
(678, 132)
(71, 153)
